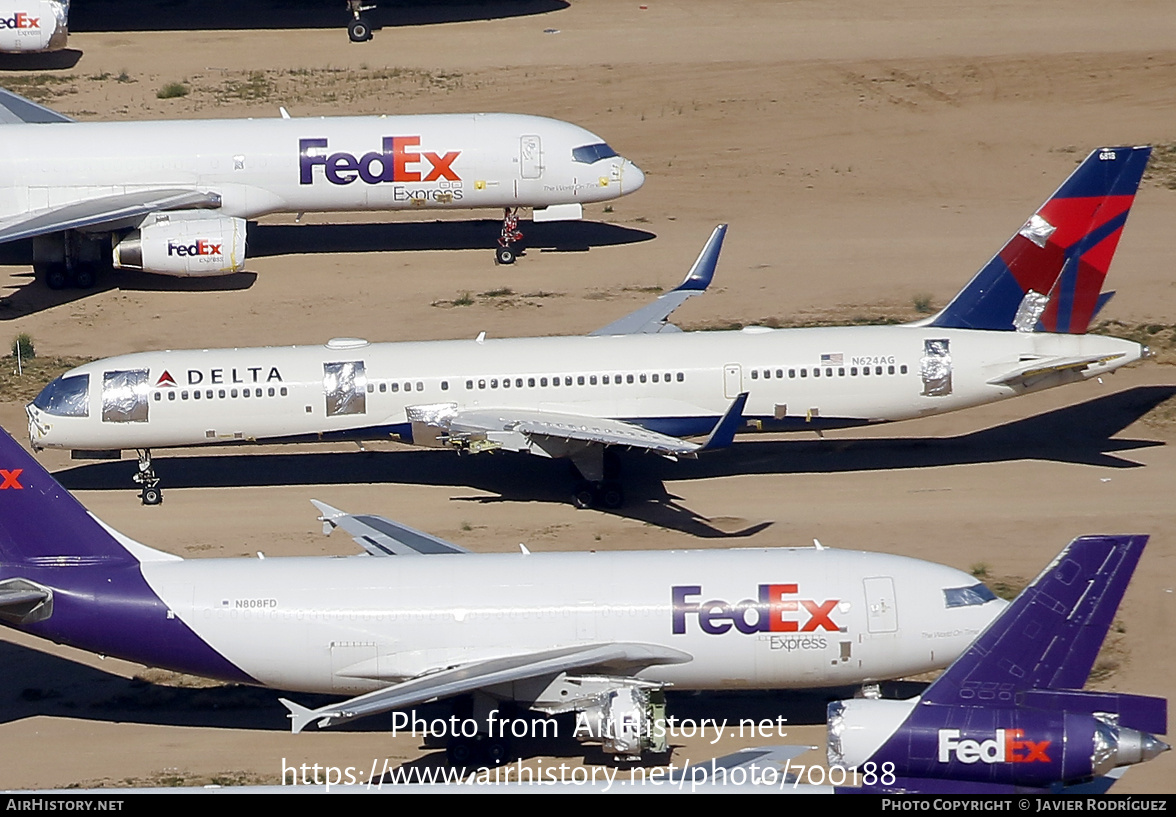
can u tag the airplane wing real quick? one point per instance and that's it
(621, 657)
(102, 210)
(552, 430)
(652, 318)
(1022, 375)
(380, 536)
(16, 110)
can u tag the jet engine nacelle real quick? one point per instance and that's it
(1016, 746)
(184, 245)
(627, 720)
(33, 25)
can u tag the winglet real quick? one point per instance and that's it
(652, 318)
(703, 271)
(329, 516)
(723, 434)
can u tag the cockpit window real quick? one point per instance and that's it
(66, 397)
(590, 154)
(972, 596)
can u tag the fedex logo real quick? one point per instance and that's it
(770, 612)
(399, 161)
(20, 21)
(1006, 747)
(198, 247)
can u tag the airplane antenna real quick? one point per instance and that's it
(817, 544)
(481, 337)
(285, 113)
(523, 548)
(260, 555)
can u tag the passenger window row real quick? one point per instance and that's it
(575, 380)
(828, 371)
(211, 394)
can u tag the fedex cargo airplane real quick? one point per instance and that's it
(173, 197)
(416, 618)
(1012, 715)
(33, 26)
(1019, 326)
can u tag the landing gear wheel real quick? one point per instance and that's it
(497, 751)
(84, 276)
(151, 496)
(460, 752)
(504, 255)
(612, 496)
(359, 30)
(584, 497)
(56, 276)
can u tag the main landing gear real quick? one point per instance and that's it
(510, 242)
(149, 491)
(600, 480)
(359, 30)
(69, 259)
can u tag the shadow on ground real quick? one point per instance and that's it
(1081, 434)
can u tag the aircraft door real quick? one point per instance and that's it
(124, 396)
(345, 388)
(530, 157)
(881, 609)
(732, 380)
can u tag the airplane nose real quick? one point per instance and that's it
(631, 177)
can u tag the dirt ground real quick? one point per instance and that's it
(867, 157)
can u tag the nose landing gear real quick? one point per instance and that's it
(511, 240)
(149, 491)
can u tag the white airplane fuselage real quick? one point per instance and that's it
(748, 618)
(674, 383)
(314, 164)
(33, 26)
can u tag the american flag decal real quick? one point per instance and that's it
(833, 360)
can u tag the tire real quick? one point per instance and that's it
(84, 276)
(460, 752)
(612, 496)
(504, 255)
(359, 30)
(497, 752)
(152, 496)
(56, 276)
(584, 498)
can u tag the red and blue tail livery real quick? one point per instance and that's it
(1049, 275)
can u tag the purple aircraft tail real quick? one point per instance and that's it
(1010, 714)
(1049, 276)
(41, 523)
(64, 577)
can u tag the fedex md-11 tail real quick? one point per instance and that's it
(1010, 715)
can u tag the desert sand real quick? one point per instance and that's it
(865, 155)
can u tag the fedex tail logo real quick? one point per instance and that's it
(399, 161)
(771, 612)
(1006, 747)
(20, 21)
(196, 248)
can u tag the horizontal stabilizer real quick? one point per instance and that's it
(626, 658)
(1049, 637)
(653, 317)
(100, 211)
(1024, 375)
(23, 601)
(383, 537)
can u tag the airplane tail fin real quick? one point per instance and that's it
(1049, 275)
(1050, 635)
(41, 523)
